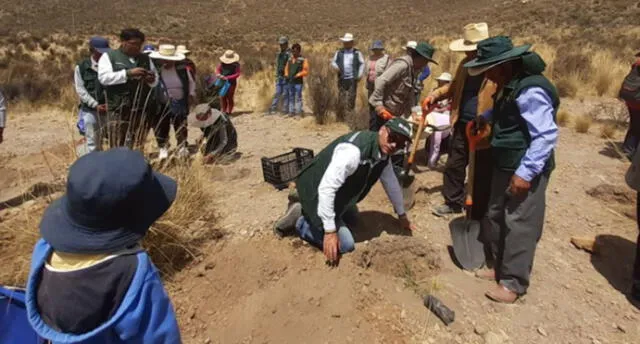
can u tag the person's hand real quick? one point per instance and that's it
(137, 72)
(1, 134)
(479, 125)
(149, 78)
(383, 113)
(331, 247)
(519, 187)
(102, 108)
(406, 223)
(428, 102)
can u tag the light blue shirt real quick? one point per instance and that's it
(536, 108)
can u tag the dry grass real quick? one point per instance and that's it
(608, 131)
(322, 89)
(583, 123)
(563, 118)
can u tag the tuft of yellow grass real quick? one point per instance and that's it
(608, 130)
(583, 123)
(563, 118)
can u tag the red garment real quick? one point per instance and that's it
(233, 76)
(227, 101)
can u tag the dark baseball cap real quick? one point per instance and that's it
(100, 44)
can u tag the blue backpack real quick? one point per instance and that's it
(14, 324)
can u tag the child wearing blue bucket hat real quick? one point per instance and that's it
(90, 281)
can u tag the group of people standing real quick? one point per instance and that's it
(125, 92)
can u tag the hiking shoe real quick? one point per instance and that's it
(164, 153)
(445, 210)
(286, 225)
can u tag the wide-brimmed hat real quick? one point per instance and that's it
(182, 49)
(426, 50)
(400, 126)
(347, 37)
(203, 116)
(493, 52)
(410, 45)
(229, 57)
(112, 199)
(377, 45)
(283, 40)
(100, 44)
(445, 77)
(167, 52)
(473, 33)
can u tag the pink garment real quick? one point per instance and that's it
(231, 77)
(372, 71)
(437, 119)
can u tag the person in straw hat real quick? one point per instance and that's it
(349, 63)
(229, 70)
(177, 93)
(191, 66)
(221, 136)
(90, 279)
(464, 91)
(523, 140)
(129, 78)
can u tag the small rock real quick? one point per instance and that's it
(403, 314)
(620, 328)
(193, 315)
(335, 315)
(367, 283)
(210, 265)
(542, 332)
(207, 341)
(480, 330)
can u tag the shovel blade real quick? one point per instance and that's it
(467, 247)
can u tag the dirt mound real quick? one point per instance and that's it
(618, 198)
(401, 256)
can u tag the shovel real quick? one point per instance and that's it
(406, 178)
(465, 232)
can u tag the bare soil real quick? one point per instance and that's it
(250, 287)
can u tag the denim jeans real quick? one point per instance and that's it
(282, 92)
(92, 129)
(295, 99)
(315, 236)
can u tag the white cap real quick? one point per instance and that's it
(411, 45)
(347, 37)
(445, 77)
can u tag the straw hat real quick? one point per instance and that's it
(203, 116)
(445, 77)
(182, 49)
(167, 52)
(473, 33)
(229, 57)
(348, 37)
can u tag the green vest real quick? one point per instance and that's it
(354, 189)
(124, 95)
(281, 61)
(511, 138)
(295, 68)
(91, 84)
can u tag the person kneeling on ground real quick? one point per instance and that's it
(523, 141)
(221, 136)
(90, 280)
(342, 175)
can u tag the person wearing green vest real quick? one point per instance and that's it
(176, 95)
(523, 140)
(295, 71)
(282, 86)
(349, 63)
(323, 203)
(129, 79)
(92, 103)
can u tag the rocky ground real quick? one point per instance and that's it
(250, 287)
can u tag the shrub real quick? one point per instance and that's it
(583, 123)
(607, 131)
(567, 87)
(323, 96)
(563, 118)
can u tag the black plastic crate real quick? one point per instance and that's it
(280, 170)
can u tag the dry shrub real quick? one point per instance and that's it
(359, 119)
(608, 130)
(563, 118)
(583, 123)
(322, 90)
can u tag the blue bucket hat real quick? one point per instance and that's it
(100, 44)
(112, 199)
(148, 49)
(377, 45)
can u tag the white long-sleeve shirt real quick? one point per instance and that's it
(349, 55)
(108, 77)
(85, 96)
(344, 163)
(3, 111)
(174, 85)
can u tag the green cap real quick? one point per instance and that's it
(400, 126)
(494, 51)
(426, 50)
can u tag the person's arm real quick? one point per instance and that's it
(83, 94)
(3, 111)
(305, 69)
(156, 75)
(221, 133)
(392, 187)
(362, 64)
(286, 70)
(388, 77)
(107, 76)
(344, 163)
(235, 75)
(219, 69)
(334, 62)
(536, 108)
(192, 85)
